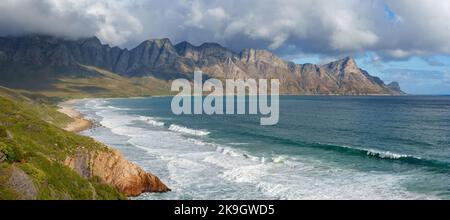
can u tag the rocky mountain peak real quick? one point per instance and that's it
(164, 42)
(183, 47)
(342, 66)
(349, 61)
(210, 52)
(159, 43)
(251, 55)
(349, 65)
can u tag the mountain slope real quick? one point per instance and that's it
(29, 153)
(39, 160)
(47, 58)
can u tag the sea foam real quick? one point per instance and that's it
(185, 130)
(151, 121)
(388, 155)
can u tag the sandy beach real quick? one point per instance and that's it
(79, 124)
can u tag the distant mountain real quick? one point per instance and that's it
(395, 86)
(32, 56)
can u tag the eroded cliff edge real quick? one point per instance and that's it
(107, 164)
(112, 168)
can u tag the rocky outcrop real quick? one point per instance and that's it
(22, 183)
(163, 60)
(113, 169)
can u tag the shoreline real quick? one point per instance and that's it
(233, 173)
(79, 123)
(110, 166)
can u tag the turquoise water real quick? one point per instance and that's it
(322, 148)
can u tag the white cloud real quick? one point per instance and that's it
(113, 24)
(70, 18)
(323, 27)
(217, 13)
(423, 28)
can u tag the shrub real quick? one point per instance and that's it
(12, 154)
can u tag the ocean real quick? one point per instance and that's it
(324, 147)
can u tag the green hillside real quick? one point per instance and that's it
(32, 151)
(104, 84)
(52, 85)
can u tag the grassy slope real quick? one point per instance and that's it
(33, 141)
(38, 147)
(104, 84)
(38, 105)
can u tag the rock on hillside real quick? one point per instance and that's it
(113, 169)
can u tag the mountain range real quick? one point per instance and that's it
(38, 61)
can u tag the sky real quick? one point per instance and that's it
(399, 40)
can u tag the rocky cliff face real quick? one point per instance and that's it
(162, 59)
(113, 169)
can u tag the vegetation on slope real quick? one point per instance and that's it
(53, 85)
(40, 105)
(32, 152)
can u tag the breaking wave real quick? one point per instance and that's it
(151, 121)
(185, 130)
(387, 155)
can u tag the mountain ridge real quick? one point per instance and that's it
(162, 59)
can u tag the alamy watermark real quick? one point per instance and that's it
(234, 89)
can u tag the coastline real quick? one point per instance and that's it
(110, 166)
(79, 123)
(240, 170)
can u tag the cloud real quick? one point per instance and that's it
(393, 29)
(421, 29)
(331, 26)
(69, 18)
